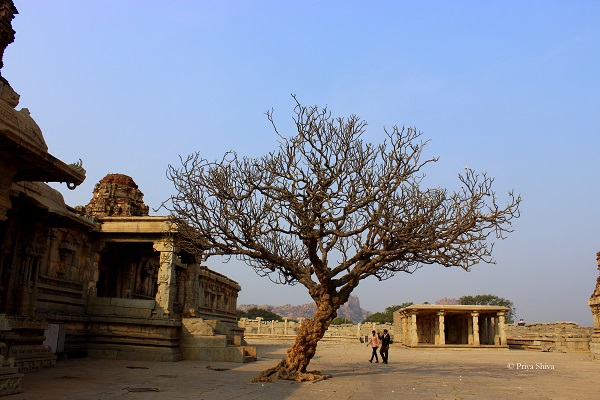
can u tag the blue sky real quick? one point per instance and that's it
(506, 87)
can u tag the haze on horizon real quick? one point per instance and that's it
(505, 87)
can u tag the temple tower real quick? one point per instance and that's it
(117, 195)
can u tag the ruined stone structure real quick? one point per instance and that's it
(288, 329)
(104, 280)
(436, 325)
(594, 304)
(117, 195)
(564, 337)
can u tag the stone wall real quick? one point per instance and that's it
(254, 328)
(212, 340)
(564, 337)
(209, 295)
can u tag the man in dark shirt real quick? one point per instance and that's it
(385, 345)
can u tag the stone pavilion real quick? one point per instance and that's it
(434, 325)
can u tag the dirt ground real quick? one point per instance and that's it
(410, 374)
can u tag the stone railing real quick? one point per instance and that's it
(288, 329)
(564, 337)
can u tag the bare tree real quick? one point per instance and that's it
(448, 301)
(328, 210)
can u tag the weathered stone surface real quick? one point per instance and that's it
(7, 33)
(594, 303)
(10, 378)
(564, 337)
(136, 353)
(10, 383)
(204, 341)
(117, 195)
(110, 306)
(225, 354)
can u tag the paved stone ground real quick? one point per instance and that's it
(411, 374)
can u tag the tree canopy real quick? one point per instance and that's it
(327, 210)
(491, 300)
(388, 315)
(256, 312)
(341, 321)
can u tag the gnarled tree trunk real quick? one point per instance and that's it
(293, 366)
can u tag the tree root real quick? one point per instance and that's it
(281, 371)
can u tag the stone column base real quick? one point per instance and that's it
(595, 347)
(10, 379)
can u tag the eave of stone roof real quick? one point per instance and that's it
(37, 165)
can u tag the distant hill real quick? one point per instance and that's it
(351, 310)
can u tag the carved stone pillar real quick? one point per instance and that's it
(502, 328)
(475, 323)
(167, 282)
(413, 335)
(496, 329)
(258, 322)
(440, 334)
(594, 303)
(285, 326)
(7, 172)
(469, 330)
(405, 329)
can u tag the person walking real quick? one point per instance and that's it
(374, 342)
(385, 345)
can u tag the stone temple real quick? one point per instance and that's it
(104, 280)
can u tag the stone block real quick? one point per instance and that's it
(595, 347)
(203, 341)
(132, 312)
(100, 309)
(135, 353)
(149, 354)
(10, 383)
(196, 327)
(98, 301)
(133, 303)
(105, 354)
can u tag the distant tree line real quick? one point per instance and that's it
(491, 300)
(341, 321)
(388, 315)
(256, 312)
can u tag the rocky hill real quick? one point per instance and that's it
(350, 310)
